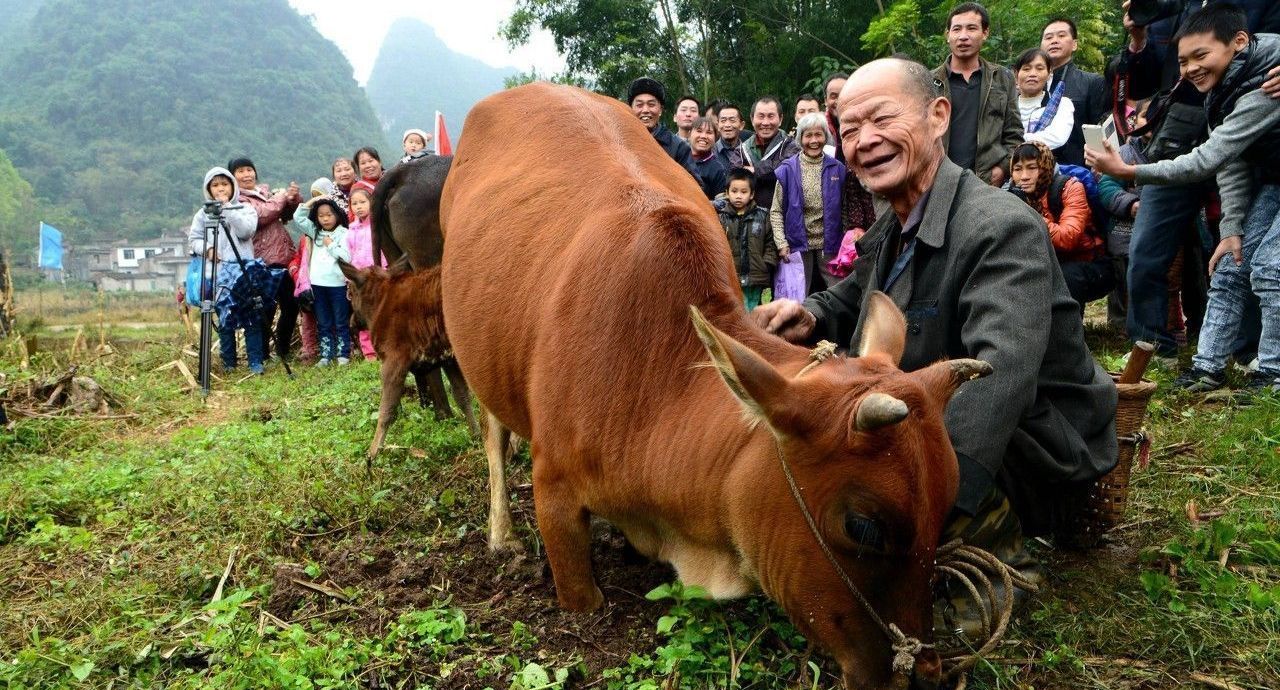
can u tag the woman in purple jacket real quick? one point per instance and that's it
(805, 215)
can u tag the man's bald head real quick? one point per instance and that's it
(891, 127)
(916, 79)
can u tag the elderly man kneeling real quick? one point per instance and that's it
(973, 270)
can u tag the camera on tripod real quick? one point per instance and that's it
(213, 208)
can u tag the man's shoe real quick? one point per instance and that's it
(1262, 383)
(323, 362)
(1196, 380)
(343, 361)
(257, 369)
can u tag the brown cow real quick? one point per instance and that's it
(568, 282)
(385, 298)
(405, 215)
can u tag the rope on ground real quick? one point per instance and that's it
(972, 567)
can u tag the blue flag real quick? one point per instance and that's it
(50, 247)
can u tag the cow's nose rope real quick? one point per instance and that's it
(967, 564)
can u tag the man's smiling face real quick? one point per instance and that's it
(648, 109)
(887, 133)
(1203, 59)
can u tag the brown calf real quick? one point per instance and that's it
(583, 343)
(405, 215)
(406, 324)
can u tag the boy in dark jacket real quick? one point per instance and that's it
(746, 226)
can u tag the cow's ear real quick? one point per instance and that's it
(752, 380)
(884, 331)
(353, 274)
(400, 267)
(941, 379)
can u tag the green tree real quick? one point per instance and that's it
(918, 27)
(19, 213)
(738, 50)
(113, 117)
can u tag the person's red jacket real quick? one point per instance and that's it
(271, 241)
(1071, 232)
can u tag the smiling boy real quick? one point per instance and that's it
(1219, 58)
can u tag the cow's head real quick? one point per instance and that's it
(365, 286)
(866, 445)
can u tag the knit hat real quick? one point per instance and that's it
(242, 162)
(323, 186)
(425, 137)
(362, 184)
(645, 85)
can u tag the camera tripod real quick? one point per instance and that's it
(208, 289)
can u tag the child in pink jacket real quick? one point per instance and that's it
(360, 244)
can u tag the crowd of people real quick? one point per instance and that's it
(1132, 218)
(263, 282)
(793, 211)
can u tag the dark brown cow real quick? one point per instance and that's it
(568, 283)
(406, 325)
(405, 215)
(405, 212)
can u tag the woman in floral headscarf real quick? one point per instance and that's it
(1063, 202)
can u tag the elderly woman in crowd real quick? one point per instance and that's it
(344, 175)
(806, 210)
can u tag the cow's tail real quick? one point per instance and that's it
(385, 249)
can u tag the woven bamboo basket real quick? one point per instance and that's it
(1105, 505)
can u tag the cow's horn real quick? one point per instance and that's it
(968, 369)
(880, 410)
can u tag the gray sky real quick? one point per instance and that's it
(466, 26)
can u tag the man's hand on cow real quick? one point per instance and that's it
(997, 176)
(1229, 245)
(1272, 85)
(785, 318)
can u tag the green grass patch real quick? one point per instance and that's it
(115, 535)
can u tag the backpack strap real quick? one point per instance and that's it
(1055, 194)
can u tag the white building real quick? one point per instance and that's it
(126, 265)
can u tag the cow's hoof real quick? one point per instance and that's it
(509, 545)
(582, 604)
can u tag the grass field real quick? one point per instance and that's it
(240, 545)
(55, 306)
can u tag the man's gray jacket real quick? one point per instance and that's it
(982, 282)
(1000, 127)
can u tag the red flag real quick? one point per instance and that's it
(443, 146)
